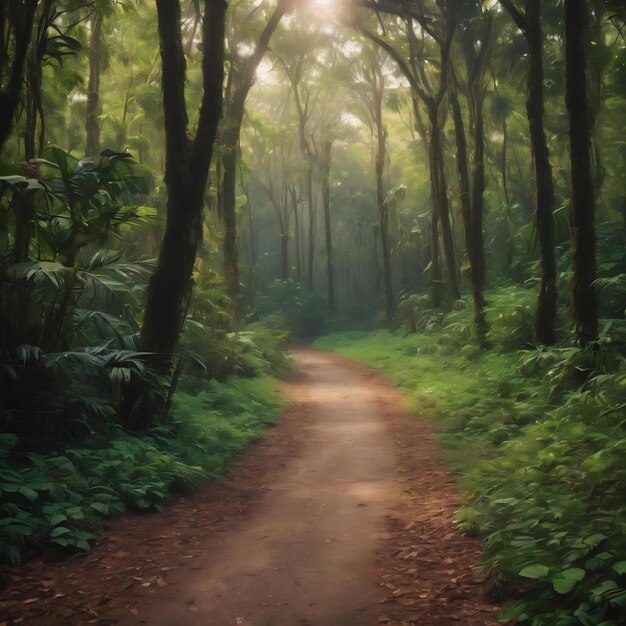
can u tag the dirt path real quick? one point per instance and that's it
(341, 517)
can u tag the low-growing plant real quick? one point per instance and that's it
(60, 500)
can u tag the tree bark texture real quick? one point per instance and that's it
(20, 17)
(478, 300)
(186, 170)
(530, 25)
(330, 265)
(443, 204)
(92, 124)
(240, 82)
(582, 209)
(378, 90)
(546, 304)
(312, 226)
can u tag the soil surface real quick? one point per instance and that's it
(341, 516)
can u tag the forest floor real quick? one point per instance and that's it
(340, 516)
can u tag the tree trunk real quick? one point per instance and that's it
(478, 187)
(239, 87)
(92, 125)
(582, 210)
(443, 205)
(326, 157)
(530, 25)
(20, 21)
(186, 174)
(435, 271)
(546, 304)
(312, 221)
(474, 248)
(284, 257)
(296, 219)
(383, 211)
(230, 147)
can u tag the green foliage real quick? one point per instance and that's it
(59, 500)
(287, 304)
(48, 398)
(539, 437)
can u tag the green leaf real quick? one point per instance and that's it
(563, 585)
(535, 571)
(605, 587)
(620, 567)
(594, 540)
(28, 493)
(573, 573)
(60, 530)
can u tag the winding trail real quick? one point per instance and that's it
(340, 517)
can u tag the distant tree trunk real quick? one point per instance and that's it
(546, 305)
(296, 219)
(312, 222)
(251, 251)
(463, 172)
(432, 100)
(443, 204)
(92, 125)
(284, 235)
(435, 271)
(582, 210)
(478, 186)
(503, 168)
(330, 270)
(18, 18)
(507, 200)
(383, 211)
(530, 25)
(186, 171)
(284, 257)
(33, 107)
(239, 86)
(229, 140)
(467, 212)
(219, 195)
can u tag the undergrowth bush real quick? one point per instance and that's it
(538, 435)
(59, 500)
(288, 304)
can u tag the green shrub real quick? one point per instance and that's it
(61, 499)
(288, 304)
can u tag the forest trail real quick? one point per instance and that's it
(340, 517)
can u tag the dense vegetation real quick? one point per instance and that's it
(185, 187)
(537, 436)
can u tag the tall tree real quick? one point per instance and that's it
(16, 28)
(92, 124)
(325, 160)
(186, 170)
(529, 23)
(431, 93)
(372, 82)
(582, 209)
(475, 35)
(240, 80)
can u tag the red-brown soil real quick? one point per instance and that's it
(341, 516)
